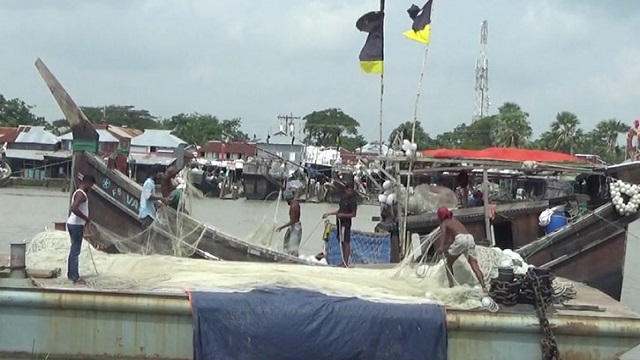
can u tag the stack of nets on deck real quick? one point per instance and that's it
(407, 282)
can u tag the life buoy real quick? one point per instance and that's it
(619, 190)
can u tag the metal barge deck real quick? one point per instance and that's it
(64, 323)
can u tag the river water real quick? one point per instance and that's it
(28, 211)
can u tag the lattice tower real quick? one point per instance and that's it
(482, 101)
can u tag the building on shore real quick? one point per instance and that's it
(155, 148)
(282, 145)
(35, 153)
(107, 143)
(218, 150)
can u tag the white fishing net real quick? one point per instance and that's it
(409, 283)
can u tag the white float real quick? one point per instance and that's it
(619, 188)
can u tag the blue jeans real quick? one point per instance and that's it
(76, 232)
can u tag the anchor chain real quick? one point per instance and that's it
(533, 288)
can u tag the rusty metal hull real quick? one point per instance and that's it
(65, 324)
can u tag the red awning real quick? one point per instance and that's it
(503, 154)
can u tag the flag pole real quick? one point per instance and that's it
(382, 75)
(413, 135)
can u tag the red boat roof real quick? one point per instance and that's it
(503, 154)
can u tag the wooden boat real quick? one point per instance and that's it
(258, 183)
(591, 249)
(115, 197)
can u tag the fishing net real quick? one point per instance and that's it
(406, 282)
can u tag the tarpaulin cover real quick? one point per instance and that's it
(503, 154)
(294, 324)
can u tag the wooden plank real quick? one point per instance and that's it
(80, 125)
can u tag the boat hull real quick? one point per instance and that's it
(65, 324)
(114, 205)
(260, 186)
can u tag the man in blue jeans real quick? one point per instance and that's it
(78, 219)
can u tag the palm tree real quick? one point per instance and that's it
(513, 128)
(604, 139)
(565, 134)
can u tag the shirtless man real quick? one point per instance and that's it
(634, 132)
(293, 236)
(455, 240)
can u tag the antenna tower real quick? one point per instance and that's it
(482, 102)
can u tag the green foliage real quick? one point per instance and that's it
(200, 128)
(513, 128)
(421, 138)
(122, 115)
(324, 127)
(14, 112)
(352, 142)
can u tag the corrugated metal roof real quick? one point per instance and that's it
(35, 135)
(105, 136)
(160, 138)
(152, 159)
(124, 132)
(8, 134)
(25, 154)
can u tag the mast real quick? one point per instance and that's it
(381, 76)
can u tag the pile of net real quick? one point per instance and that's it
(407, 283)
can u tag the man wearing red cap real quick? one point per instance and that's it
(455, 240)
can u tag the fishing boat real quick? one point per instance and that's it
(595, 234)
(116, 198)
(210, 324)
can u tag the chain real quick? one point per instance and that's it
(534, 288)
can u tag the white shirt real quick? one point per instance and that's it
(146, 204)
(84, 209)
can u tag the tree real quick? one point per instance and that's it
(453, 139)
(603, 140)
(200, 128)
(479, 135)
(122, 115)
(421, 138)
(565, 134)
(14, 112)
(58, 127)
(325, 126)
(352, 142)
(513, 128)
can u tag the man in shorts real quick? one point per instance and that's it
(455, 240)
(293, 236)
(347, 210)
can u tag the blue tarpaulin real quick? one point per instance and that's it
(294, 324)
(366, 248)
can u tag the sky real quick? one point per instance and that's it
(257, 59)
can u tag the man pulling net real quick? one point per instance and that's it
(454, 241)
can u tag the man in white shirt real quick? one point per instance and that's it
(148, 198)
(78, 219)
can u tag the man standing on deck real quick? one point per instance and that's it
(293, 236)
(455, 240)
(78, 219)
(634, 132)
(347, 211)
(147, 213)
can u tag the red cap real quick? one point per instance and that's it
(444, 213)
